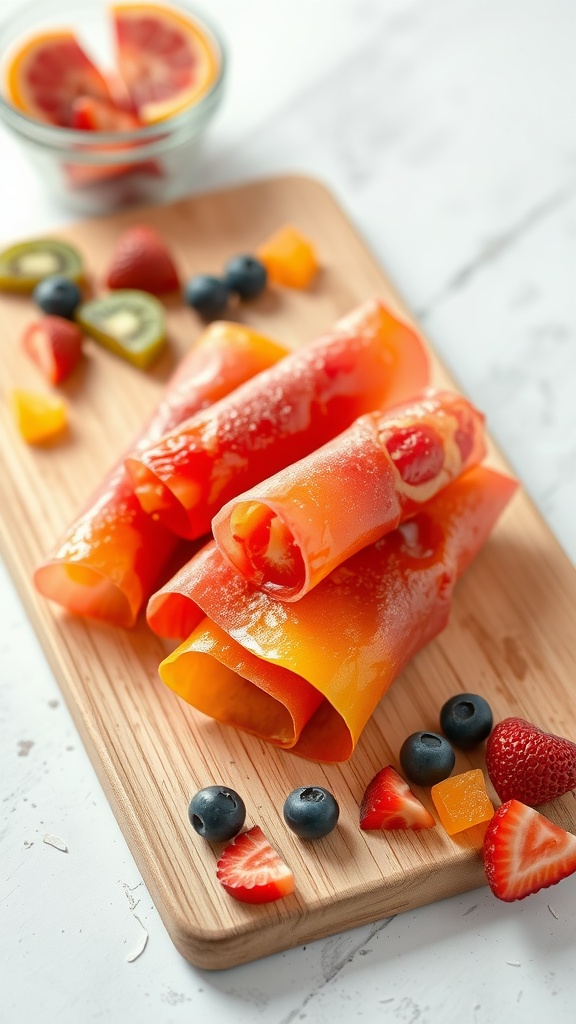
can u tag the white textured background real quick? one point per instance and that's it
(447, 129)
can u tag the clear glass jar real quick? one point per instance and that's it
(94, 171)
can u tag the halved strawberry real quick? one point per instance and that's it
(54, 344)
(251, 871)
(389, 803)
(141, 260)
(525, 763)
(524, 852)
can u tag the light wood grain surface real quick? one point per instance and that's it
(510, 636)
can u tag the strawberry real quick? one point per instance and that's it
(389, 803)
(141, 260)
(528, 764)
(524, 852)
(251, 871)
(54, 344)
(95, 115)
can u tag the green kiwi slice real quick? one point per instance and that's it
(23, 266)
(128, 322)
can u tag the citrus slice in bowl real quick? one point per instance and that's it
(46, 74)
(167, 59)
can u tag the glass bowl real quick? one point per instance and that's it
(95, 171)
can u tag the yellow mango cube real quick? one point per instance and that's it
(289, 258)
(462, 801)
(39, 417)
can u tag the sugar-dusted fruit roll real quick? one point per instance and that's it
(307, 676)
(290, 531)
(110, 558)
(369, 359)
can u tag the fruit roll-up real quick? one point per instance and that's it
(111, 557)
(290, 531)
(307, 676)
(369, 359)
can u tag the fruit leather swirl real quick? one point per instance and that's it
(290, 531)
(307, 676)
(110, 558)
(370, 359)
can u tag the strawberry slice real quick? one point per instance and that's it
(389, 803)
(251, 871)
(55, 345)
(97, 115)
(417, 452)
(524, 852)
(141, 260)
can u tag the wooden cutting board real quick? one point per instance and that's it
(509, 638)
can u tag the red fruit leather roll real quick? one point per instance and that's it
(290, 531)
(370, 359)
(110, 558)
(307, 676)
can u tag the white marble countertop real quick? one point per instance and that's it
(447, 130)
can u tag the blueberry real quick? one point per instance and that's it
(246, 276)
(58, 296)
(311, 812)
(466, 720)
(426, 758)
(217, 813)
(207, 295)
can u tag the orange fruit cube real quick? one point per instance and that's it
(462, 801)
(289, 258)
(39, 417)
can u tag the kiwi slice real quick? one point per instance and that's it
(23, 266)
(128, 322)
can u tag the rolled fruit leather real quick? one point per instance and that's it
(290, 531)
(111, 557)
(371, 358)
(307, 676)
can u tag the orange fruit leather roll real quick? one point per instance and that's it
(110, 558)
(290, 531)
(370, 359)
(307, 676)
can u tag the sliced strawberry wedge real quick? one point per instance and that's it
(524, 852)
(90, 114)
(389, 803)
(251, 871)
(97, 115)
(417, 452)
(141, 260)
(55, 345)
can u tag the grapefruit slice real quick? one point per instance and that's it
(165, 58)
(48, 72)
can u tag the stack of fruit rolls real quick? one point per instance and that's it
(308, 675)
(370, 359)
(111, 557)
